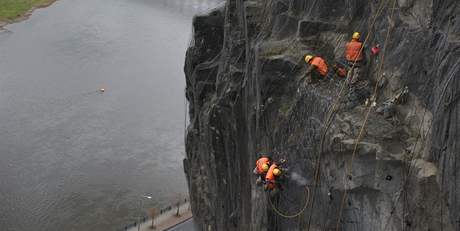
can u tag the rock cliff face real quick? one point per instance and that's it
(244, 72)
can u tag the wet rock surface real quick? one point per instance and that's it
(245, 85)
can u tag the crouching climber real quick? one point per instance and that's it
(261, 169)
(354, 57)
(318, 69)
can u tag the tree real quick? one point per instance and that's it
(153, 213)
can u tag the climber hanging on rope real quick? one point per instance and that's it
(261, 169)
(275, 177)
(354, 56)
(318, 69)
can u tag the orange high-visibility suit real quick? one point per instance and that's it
(320, 65)
(259, 164)
(353, 51)
(270, 178)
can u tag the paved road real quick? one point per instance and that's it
(186, 226)
(169, 221)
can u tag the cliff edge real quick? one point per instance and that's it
(363, 169)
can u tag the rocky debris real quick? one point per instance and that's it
(244, 72)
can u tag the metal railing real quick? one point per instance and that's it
(162, 211)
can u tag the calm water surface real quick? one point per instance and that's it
(73, 158)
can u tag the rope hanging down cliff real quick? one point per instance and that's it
(328, 122)
(333, 109)
(409, 170)
(361, 132)
(294, 215)
(411, 164)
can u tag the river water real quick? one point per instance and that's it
(73, 158)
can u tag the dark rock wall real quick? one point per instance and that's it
(243, 71)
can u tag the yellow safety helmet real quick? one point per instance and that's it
(276, 172)
(265, 167)
(308, 58)
(356, 35)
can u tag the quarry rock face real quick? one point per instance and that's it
(352, 165)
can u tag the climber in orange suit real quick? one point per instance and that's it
(270, 179)
(354, 56)
(261, 169)
(318, 68)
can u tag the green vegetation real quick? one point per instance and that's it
(285, 107)
(14, 9)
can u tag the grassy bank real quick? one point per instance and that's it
(15, 10)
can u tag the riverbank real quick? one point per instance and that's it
(167, 220)
(12, 11)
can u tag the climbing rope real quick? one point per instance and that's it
(257, 121)
(334, 108)
(328, 122)
(411, 165)
(409, 171)
(361, 132)
(294, 215)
